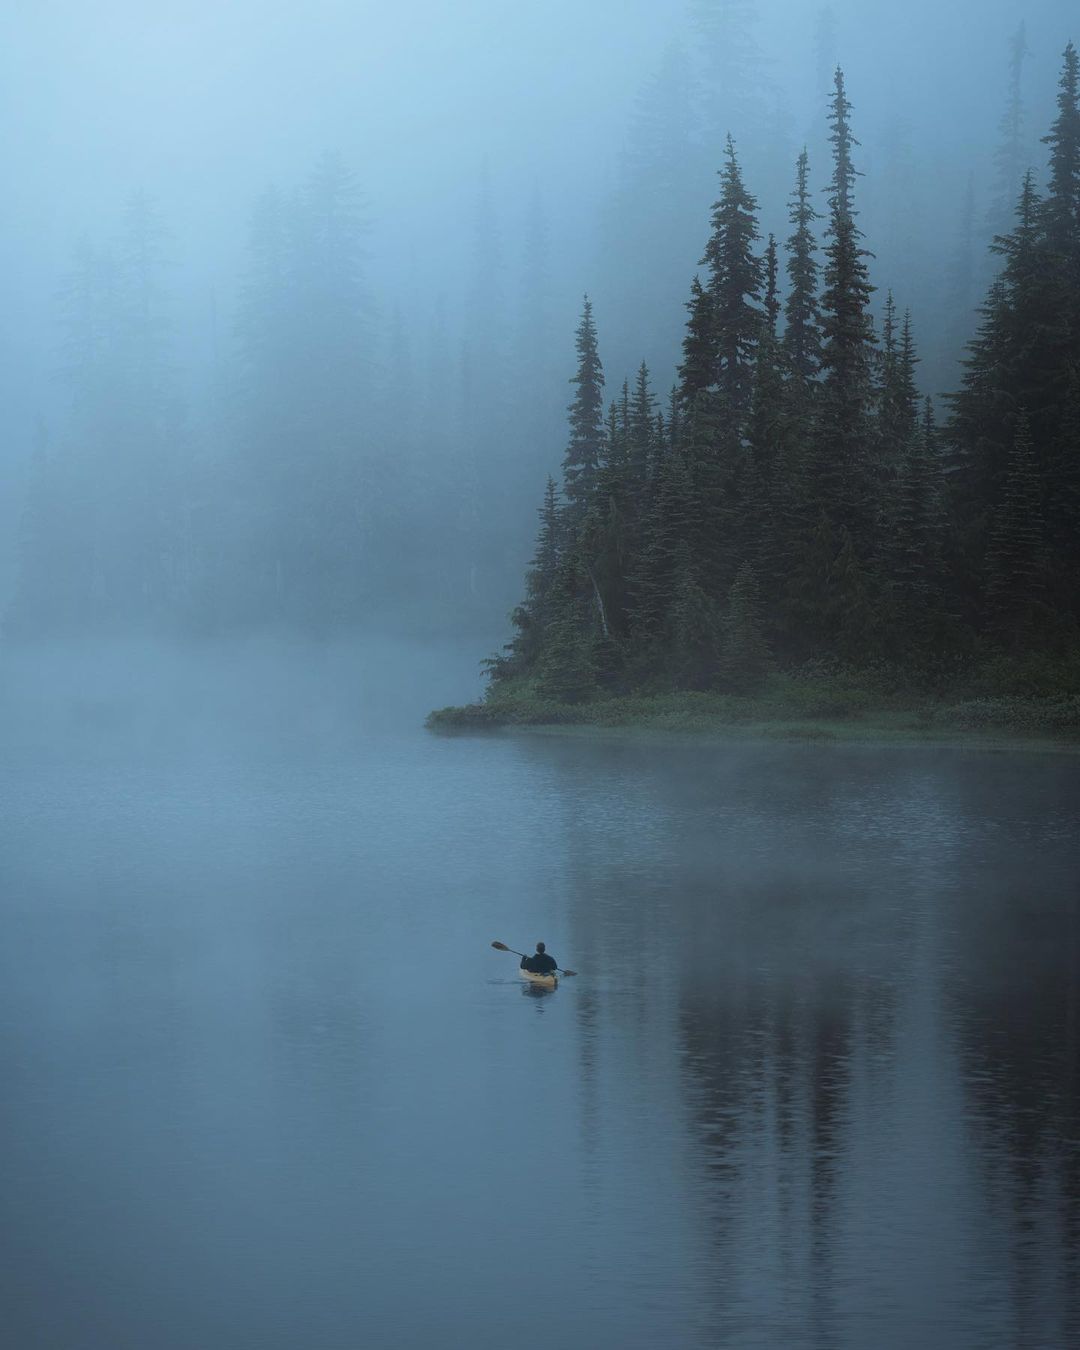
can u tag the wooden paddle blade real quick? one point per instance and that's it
(500, 946)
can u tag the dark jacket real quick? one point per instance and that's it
(542, 963)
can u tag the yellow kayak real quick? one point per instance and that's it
(549, 981)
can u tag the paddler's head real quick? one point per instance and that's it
(541, 948)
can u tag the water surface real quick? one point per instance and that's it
(267, 1085)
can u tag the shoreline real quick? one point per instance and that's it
(688, 721)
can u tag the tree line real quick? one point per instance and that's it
(796, 498)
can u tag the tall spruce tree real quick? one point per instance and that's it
(1061, 211)
(802, 332)
(581, 463)
(736, 276)
(843, 433)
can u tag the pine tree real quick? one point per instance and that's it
(641, 439)
(802, 333)
(898, 410)
(581, 463)
(736, 276)
(1016, 555)
(665, 530)
(920, 526)
(745, 657)
(698, 369)
(567, 665)
(1061, 289)
(843, 433)
(693, 629)
(762, 464)
(533, 617)
(1063, 502)
(1061, 212)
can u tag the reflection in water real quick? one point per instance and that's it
(876, 1027)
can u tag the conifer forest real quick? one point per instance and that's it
(796, 497)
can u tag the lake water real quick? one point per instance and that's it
(266, 1085)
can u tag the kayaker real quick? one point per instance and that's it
(541, 963)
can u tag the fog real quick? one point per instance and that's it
(505, 161)
(292, 294)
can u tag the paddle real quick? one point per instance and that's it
(502, 947)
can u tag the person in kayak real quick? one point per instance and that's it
(541, 963)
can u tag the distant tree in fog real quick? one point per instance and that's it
(1011, 156)
(306, 383)
(107, 544)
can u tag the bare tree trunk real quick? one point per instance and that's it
(599, 602)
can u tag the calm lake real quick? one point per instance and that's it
(266, 1085)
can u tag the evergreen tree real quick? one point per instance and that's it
(698, 369)
(736, 276)
(1061, 211)
(920, 527)
(641, 439)
(567, 665)
(665, 532)
(898, 406)
(745, 656)
(843, 434)
(802, 333)
(1016, 555)
(1063, 503)
(762, 465)
(533, 617)
(581, 464)
(693, 630)
(1061, 286)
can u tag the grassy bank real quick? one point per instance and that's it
(789, 708)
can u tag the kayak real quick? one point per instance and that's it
(549, 981)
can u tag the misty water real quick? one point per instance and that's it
(266, 1084)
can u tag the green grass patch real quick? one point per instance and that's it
(789, 707)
